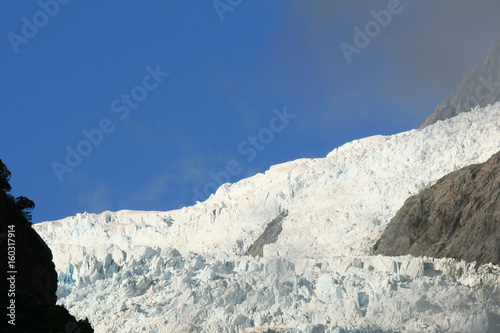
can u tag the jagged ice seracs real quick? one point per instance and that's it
(186, 270)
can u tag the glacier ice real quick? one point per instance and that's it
(185, 270)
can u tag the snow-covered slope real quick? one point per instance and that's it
(185, 270)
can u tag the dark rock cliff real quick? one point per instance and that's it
(33, 288)
(458, 217)
(480, 86)
(269, 236)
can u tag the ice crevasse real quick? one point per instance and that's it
(186, 270)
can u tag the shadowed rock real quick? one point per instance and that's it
(269, 236)
(34, 277)
(458, 217)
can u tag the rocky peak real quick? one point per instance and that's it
(480, 86)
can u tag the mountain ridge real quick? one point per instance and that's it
(480, 86)
(167, 271)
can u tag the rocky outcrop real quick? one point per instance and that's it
(32, 277)
(458, 217)
(269, 236)
(479, 87)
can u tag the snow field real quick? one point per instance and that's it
(122, 272)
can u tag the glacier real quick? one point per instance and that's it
(187, 270)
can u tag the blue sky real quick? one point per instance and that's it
(176, 96)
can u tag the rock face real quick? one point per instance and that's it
(35, 280)
(480, 86)
(311, 271)
(269, 236)
(458, 217)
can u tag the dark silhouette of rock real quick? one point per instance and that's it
(269, 236)
(458, 217)
(479, 87)
(35, 279)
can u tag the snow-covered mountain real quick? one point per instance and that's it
(315, 222)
